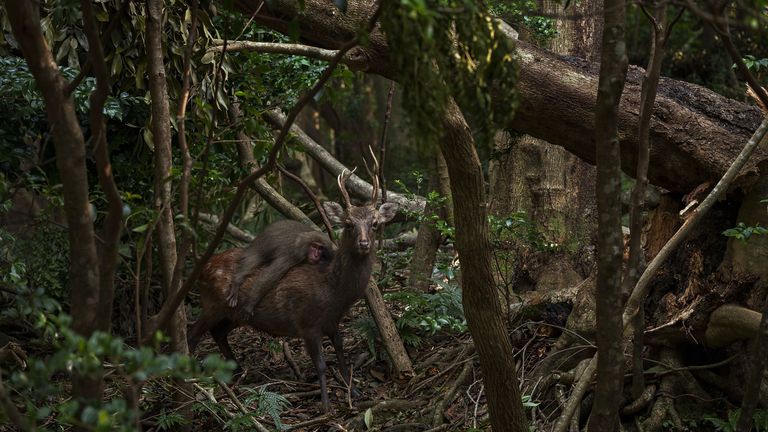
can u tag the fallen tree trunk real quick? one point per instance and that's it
(695, 132)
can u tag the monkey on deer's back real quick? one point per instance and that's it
(281, 246)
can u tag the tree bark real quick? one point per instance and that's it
(609, 304)
(427, 242)
(692, 127)
(161, 135)
(110, 232)
(481, 302)
(70, 160)
(554, 187)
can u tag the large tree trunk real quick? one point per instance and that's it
(481, 300)
(696, 133)
(555, 188)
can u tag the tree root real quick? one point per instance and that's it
(640, 403)
(438, 416)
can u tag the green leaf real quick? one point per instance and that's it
(368, 418)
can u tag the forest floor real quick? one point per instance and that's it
(445, 393)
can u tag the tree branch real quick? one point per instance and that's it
(311, 196)
(355, 184)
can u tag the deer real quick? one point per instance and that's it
(310, 300)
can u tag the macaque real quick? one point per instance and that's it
(280, 246)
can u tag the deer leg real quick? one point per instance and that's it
(338, 345)
(202, 325)
(219, 333)
(315, 349)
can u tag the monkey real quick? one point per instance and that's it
(282, 245)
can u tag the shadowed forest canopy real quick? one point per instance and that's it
(542, 240)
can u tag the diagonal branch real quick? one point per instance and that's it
(312, 196)
(356, 185)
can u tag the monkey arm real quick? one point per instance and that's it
(252, 257)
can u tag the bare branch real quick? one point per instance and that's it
(383, 143)
(275, 48)
(356, 185)
(311, 196)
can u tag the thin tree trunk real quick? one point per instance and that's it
(161, 135)
(84, 280)
(444, 182)
(388, 331)
(636, 220)
(170, 264)
(481, 303)
(427, 242)
(110, 232)
(609, 305)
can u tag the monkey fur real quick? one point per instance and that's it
(282, 245)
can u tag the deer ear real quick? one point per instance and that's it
(387, 211)
(334, 211)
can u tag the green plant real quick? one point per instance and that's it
(525, 13)
(39, 389)
(753, 63)
(727, 425)
(511, 237)
(425, 313)
(169, 420)
(268, 403)
(743, 232)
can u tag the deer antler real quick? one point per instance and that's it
(374, 176)
(341, 180)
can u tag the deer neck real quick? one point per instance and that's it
(350, 272)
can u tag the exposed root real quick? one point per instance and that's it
(438, 417)
(640, 403)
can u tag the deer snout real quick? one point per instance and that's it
(364, 243)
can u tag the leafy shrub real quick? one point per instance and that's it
(427, 313)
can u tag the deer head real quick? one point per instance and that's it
(359, 222)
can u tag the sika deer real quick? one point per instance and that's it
(310, 300)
